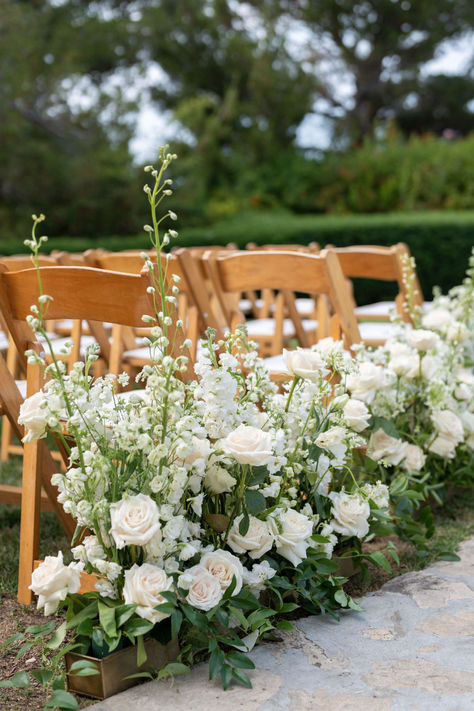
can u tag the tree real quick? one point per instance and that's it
(380, 47)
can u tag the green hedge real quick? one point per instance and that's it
(441, 242)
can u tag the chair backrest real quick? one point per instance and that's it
(384, 263)
(77, 293)
(311, 248)
(283, 272)
(18, 262)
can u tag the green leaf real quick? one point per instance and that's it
(19, 681)
(43, 675)
(381, 423)
(285, 625)
(138, 626)
(288, 607)
(173, 669)
(256, 618)
(107, 619)
(379, 559)
(23, 649)
(226, 676)
(176, 622)
(244, 524)
(123, 613)
(141, 652)
(239, 660)
(242, 678)
(235, 612)
(255, 501)
(88, 612)
(341, 597)
(228, 593)
(58, 637)
(216, 660)
(14, 638)
(41, 630)
(63, 700)
(140, 675)
(446, 555)
(84, 667)
(258, 475)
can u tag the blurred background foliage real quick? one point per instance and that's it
(237, 80)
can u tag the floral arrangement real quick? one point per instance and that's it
(211, 510)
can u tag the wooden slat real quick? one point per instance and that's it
(11, 495)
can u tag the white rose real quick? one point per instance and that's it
(224, 566)
(356, 414)
(444, 446)
(448, 424)
(305, 364)
(422, 340)
(218, 480)
(204, 591)
(383, 446)
(292, 536)
(333, 440)
(408, 365)
(34, 416)
(429, 365)
(457, 332)
(437, 319)
(351, 513)
(329, 345)
(414, 458)
(257, 541)
(135, 521)
(363, 383)
(52, 581)
(143, 587)
(248, 445)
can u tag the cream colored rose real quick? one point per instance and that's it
(350, 514)
(383, 446)
(305, 363)
(408, 365)
(257, 541)
(437, 318)
(422, 339)
(414, 458)
(224, 566)
(248, 445)
(444, 446)
(333, 440)
(363, 383)
(448, 424)
(135, 521)
(356, 415)
(143, 587)
(218, 480)
(34, 416)
(292, 535)
(204, 590)
(52, 581)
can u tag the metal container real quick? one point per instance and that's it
(114, 669)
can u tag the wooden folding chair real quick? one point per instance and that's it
(385, 264)
(285, 272)
(77, 293)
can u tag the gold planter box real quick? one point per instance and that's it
(116, 666)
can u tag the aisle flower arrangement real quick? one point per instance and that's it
(210, 511)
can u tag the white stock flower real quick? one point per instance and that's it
(204, 590)
(383, 446)
(52, 581)
(218, 480)
(356, 415)
(256, 578)
(248, 445)
(224, 566)
(143, 587)
(422, 339)
(305, 363)
(350, 514)
(135, 521)
(258, 539)
(437, 319)
(414, 458)
(33, 416)
(293, 534)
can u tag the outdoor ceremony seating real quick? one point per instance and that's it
(77, 293)
(385, 264)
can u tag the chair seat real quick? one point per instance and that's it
(266, 327)
(21, 385)
(59, 343)
(65, 326)
(275, 364)
(380, 308)
(305, 306)
(245, 305)
(3, 341)
(376, 331)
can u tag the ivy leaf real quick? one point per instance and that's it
(255, 502)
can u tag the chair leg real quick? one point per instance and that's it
(30, 519)
(6, 440)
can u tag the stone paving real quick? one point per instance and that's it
(411, 649)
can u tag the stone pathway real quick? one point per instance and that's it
(411, 649)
